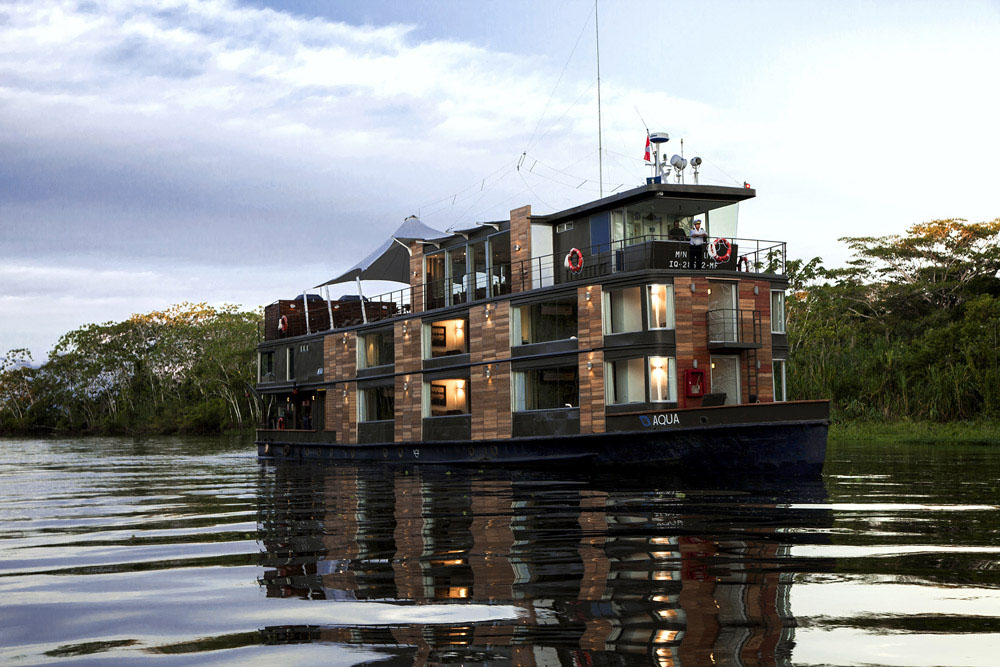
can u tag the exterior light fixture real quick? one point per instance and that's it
(709, 290)
(590, 365)
(756, 290)
(406, 386)
(758, 364)
(692, 288)
(486, 310)
(487, 372)
(695, 363)
(517, 246)
(588, 294)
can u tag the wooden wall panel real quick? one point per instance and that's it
(417, 277)
(591, 335)
(489, 339)
(408, 424)
(765, 379)
(520, 235)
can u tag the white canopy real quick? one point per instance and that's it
(391, 260)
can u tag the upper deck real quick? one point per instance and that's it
(641, 230)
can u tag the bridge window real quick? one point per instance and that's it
(265, 367)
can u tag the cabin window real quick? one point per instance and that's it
(564, 227)
(546, 388)
(778, 375)
(542, 322)
(376, 349)
(500, 263)
(445, 338)
(435, 287)
(660, 306)
(457, 270)
(777, 311)
(446, 397)
(377, 404)
(265, 367)
(662, 380)
(289, 364)
(624, 381)
(622, 310)
(479, 279)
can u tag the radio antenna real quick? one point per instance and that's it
(600, 147)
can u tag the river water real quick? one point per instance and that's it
(189, 551)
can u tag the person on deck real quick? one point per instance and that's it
(697, 251)
(677, 232)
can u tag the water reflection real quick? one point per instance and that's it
(601, 570)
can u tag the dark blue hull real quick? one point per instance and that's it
(779, 436)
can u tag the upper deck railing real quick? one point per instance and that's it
(634, 254)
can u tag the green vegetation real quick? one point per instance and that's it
(184, 369)
(924, 432)
(908, 330)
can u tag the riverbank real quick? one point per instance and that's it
(978, 432)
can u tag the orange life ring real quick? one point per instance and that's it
(713, 250)
(743, 262)
(283, 323)
(574, 260)
(281, 423)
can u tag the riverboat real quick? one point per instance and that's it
(596, 334)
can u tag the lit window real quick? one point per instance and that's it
(777, 311)
(446, 397)
(662, 380)
(376, 349)
(445, 338)
(660, 304)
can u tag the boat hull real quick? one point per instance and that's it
(780, 436)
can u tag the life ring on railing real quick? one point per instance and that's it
(713, 250)
(743, 264)
(283, 323)
(574, 261)
(281, 423)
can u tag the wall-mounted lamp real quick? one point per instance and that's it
(695, 363)
(588, 294)
(756, 290)
(406, 386)
(404, 328)
(487, 372)
(517, 246)
(692, 288)
(590, 365)
(345, 393)
(709, 290)
(486, 310)
(758, 364)
(713, 364)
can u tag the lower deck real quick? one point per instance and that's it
(787, 436)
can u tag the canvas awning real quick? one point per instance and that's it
(391, 259)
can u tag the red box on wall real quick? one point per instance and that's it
(694, 382)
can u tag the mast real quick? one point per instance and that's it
(600, 148)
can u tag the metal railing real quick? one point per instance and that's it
(634, 254)
(733, 325)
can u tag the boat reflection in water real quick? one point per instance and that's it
(607, 570)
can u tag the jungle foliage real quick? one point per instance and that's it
(907, 330)
(184, 369)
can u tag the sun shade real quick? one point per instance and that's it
(391, 260)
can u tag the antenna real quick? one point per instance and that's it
(600, 148)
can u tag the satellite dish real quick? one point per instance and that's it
(658, 137)
(696, 162)
(678, 163)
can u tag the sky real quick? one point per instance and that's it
(240, 152)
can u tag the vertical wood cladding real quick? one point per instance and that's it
(690, 315)
(520, 236)
(408, 364)
(591, 335)
(339, 364)
(417, 276)
(762, 303)
(489, 339)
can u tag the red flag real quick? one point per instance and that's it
(647, 157)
